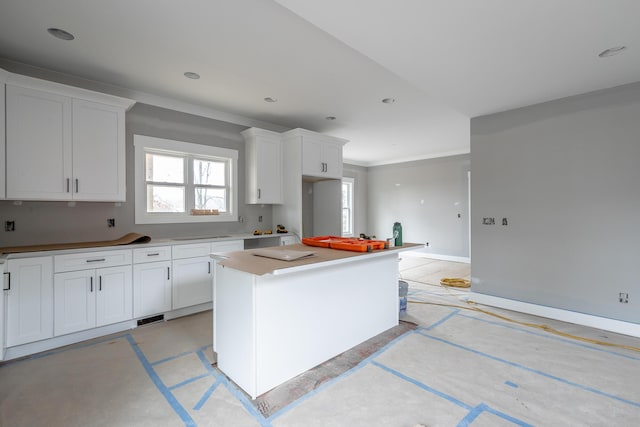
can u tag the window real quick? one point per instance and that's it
(347, 207)
(183, 182)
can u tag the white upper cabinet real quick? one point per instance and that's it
(321, 154)
(63, 143)
(263, 154)
(98, 152)
(38, 144)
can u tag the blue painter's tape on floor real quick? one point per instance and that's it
(342, 376)
(552, 337)
(478, 410)
(222, 379)
(206, 395)
(510, 384)
(423, 386)
(169, 397)
(189, 381)
(205, 361)
(535, 371)
(441, 321)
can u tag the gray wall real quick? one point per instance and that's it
(565, 174)
(426, 196)
(360, 190)
(56, 222)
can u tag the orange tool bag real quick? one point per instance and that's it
(345, 243)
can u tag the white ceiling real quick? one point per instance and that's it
(444, 61)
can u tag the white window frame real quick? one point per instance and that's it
(143, 144)
(351, 183)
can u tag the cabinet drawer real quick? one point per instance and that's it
(83, 261)
(229, 246)
(156, 253)
(191, 250)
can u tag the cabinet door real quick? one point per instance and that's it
(38, 144)
(2, 308)
(29, 300)
(192, 281)
(74, 301)
(312, 160)
(2, 147)
(98, 152)
(332, 157)
(114, 297)
(269, 173)
(151, 288)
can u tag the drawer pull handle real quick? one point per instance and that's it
(154, 254)
(100, 283)
(91, 286)
(96, 260)
(209, 267)
(8, 273)
(168, 273)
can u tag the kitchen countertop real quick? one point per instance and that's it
(154, 242)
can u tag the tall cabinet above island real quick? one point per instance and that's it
(312, 184)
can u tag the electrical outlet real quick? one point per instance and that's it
(9, 226)
(623, 297)
(260, 218)
(111, 222)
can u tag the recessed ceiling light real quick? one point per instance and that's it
(612, 51)
(60, 34)
(330, 117)
(388, 100)
(270, 99)
(192, 75)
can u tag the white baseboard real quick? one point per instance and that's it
(76, 337)
(617, 326)
(55, 342)
(188, 310)
(420, 254)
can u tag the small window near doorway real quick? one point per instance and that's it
(347, 207)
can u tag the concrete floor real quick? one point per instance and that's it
(459, 368)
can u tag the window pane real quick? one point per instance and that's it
(347, 207)
(165, 199)
(346, 221)
(164, 168)
(207, 172)
(211, 198)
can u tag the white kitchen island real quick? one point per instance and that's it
(276, 319)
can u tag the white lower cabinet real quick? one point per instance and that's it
(151, 288)
(193, 271)
(86, 299)
(29, 299)
(192, 281)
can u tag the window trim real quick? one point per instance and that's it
(352, 183)
(143, 143)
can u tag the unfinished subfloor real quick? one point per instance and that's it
(460, 367)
